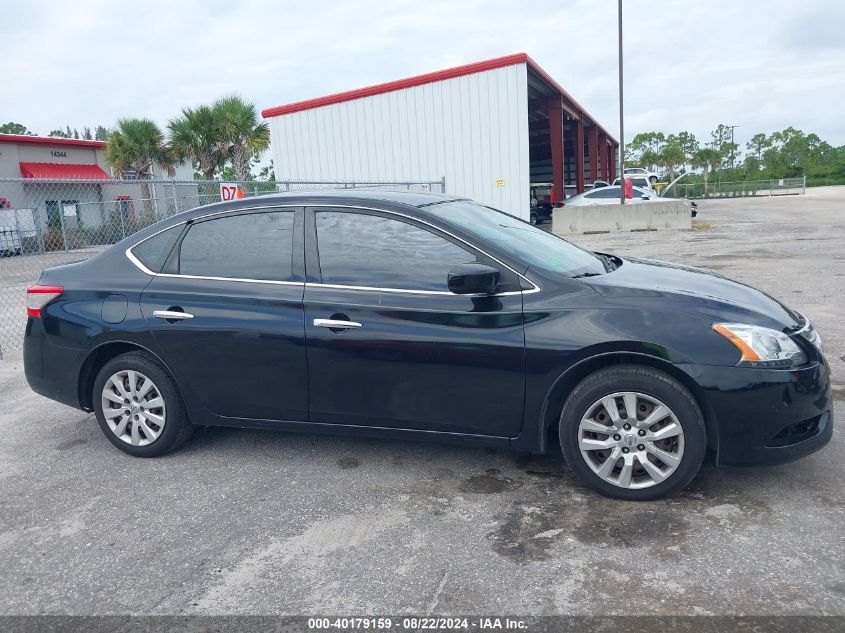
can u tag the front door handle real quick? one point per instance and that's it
(172, 315)
(336, 324)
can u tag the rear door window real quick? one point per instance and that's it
(254, 246)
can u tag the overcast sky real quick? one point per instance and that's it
(762, 65)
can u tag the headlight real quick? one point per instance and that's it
(762, 346)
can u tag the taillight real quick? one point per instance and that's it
(39, 296)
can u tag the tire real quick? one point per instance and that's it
(146, 437)
(683, 451)
(533, 219)
(652, 179)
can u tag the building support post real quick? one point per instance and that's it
(605, 174)
(579, 154)
(592, 148)
(611, 163)
(555, 112)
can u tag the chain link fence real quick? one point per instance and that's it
(717, 189)
(47, 223)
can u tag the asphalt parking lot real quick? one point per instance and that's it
(264, 523)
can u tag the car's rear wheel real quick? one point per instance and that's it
(652, 179)
(534, 219)
(632, 432)
(139, 407)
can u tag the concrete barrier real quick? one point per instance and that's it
(655, 215)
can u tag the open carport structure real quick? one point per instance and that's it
(492, 129)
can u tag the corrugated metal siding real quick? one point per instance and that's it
(471, 129)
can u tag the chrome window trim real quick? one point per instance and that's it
(238, 279)
(418, 292)
(138, 263)
(303, 205)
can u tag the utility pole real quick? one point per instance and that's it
(621, 116)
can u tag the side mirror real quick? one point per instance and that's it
(473, 279)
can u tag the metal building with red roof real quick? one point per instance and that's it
(492, 129)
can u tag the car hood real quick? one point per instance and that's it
(694, 290)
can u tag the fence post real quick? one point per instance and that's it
(39, 231)
(804, 184)
(443, 184)
(62, 222)
(122, 226)
(20, 237)
(771, 186)
(154, 198)
(175, 199)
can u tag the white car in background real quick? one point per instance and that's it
(609, 195)
(638, 181)
(650, 176)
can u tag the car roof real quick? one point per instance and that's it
(412, 198)
(347, 197)
(584, 193)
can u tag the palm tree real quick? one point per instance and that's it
(244, 137)
(706, 158)
(197, 136)
(138, 144)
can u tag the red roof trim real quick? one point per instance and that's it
(23, 139)
(63, 171)
(399, 84)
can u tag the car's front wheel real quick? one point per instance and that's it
(632, 432)
(139, 407)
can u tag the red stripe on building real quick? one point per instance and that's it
(23, 139)
(399, 84)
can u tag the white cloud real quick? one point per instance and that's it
(761, 65)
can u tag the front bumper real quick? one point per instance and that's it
(767, 416)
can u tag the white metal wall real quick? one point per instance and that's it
(471, 129)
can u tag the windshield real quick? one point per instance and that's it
(534, 246)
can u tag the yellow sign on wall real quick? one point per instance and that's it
(500, 182)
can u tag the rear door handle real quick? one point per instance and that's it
(336, 324)
(172, 315)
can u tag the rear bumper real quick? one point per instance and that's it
(51, 370)
(767, 416)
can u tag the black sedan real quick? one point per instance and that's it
(418, 316)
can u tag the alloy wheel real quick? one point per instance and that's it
(133, 408)
(631, 440)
